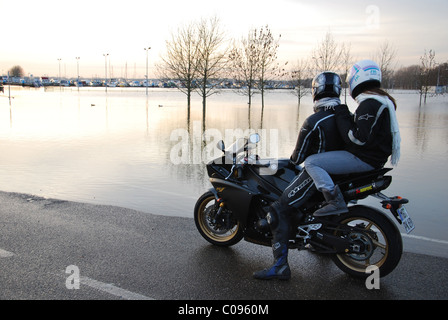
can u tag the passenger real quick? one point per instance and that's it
(371, 135)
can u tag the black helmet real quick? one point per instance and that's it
(327, 84)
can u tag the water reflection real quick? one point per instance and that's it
(116, 148)
(431, 118)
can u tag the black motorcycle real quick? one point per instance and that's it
(237, 205)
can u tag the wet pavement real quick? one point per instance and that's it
(47, 245)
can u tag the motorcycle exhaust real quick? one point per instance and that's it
(367, 189)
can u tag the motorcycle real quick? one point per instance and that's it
(237, 205)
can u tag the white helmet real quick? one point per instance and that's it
(364, 74)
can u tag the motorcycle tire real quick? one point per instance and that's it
(382, 244)
(217, 233)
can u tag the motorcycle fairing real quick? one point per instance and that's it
(236, 197)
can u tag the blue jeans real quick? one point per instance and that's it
(319, 166)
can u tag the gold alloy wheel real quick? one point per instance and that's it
(209, 229)
(377, 252)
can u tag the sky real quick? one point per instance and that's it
(35, 34)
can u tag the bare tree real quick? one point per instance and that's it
(386, 59)
(244, 61)
(267, 48)
(346, 64)
(180, 59)
(428, 63)
(407, 77)
(16, 71)
(327, 54)
(299, 78)
(211, 57)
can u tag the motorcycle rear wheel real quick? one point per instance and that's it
(382, 243)
(215, 232)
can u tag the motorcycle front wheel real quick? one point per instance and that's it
(222, 230)
(378, 239)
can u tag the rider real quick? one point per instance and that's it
(371, 135)
(318, 134)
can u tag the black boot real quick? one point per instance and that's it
(335, 203)
(278, 219)
(280, 269)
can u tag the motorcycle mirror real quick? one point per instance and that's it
(254, 138)
(220, 145)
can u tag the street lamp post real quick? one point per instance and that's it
(105, 69)
(77, 62)
(147, 78)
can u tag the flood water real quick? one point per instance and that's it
(117, 148)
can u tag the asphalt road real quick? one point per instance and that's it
(47, 245)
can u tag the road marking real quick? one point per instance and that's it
(105, 287)
(111, 289)
(5, 254)
(424, 238)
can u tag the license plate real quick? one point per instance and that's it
(406, 219)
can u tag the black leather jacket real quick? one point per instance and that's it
(319, 133)
(366, 133)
